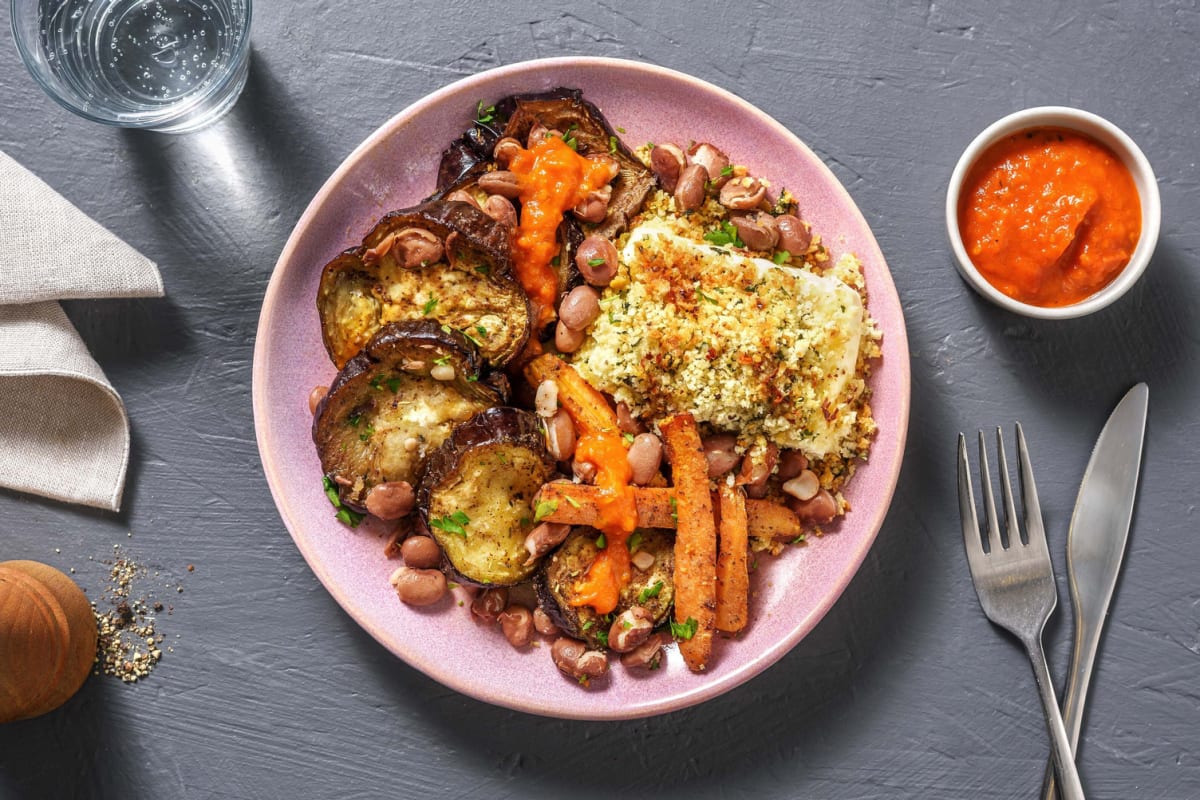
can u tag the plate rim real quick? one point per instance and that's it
(448, 677)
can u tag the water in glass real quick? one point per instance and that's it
(164, 64)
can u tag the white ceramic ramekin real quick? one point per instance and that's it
(1102, 131)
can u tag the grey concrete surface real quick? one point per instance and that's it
(903, 691)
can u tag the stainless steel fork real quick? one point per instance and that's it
(1015, 579)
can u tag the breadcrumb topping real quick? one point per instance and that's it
(768, 350)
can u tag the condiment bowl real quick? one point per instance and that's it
(1102, 131)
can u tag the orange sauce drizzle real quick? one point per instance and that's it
(553, 178)
(610, 572)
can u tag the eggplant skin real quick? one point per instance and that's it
(556, 579)
(472, 289)
(384, 413)
(484, 478)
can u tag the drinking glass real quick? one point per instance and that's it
(163, 65)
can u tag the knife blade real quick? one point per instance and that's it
(1096, 545)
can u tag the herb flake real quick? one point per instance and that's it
(484, 115)
(343, 515)
(683, 631)
(544, 509)
(650, 592)
(455, 523)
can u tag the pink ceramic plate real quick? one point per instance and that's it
(395, 167)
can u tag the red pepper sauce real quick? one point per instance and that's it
(610, 572)
(553, 178)
(1049, 216)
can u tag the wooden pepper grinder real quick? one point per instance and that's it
(47, 639)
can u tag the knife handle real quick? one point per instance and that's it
(1083, 658)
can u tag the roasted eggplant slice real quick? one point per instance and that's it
(441, 260)
(652, 588)
(476, 495)
(565, 110)
(396, 402)
(467, 156)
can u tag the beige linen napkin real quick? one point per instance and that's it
(63, 429)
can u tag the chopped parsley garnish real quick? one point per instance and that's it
(781, 256)
(635, 542)
(331, 492)
(354, 419)
(343, 515)
(446, 329)
(484, 115)
(602, 637)
(366, 432)
(725, 234)
(620, 129)
(568, 139)
(587, 626)
(544, 509)
(706, 298)
(797, 540)
(475, 341)
(685, 630)
(482, 331)
(628, 437)
(674, 509)
(483, 269)
(429, 306)
(556, 261)
(726, 171)
(393, 384)
(626, 624)
(651, 592)
(612, 144)
(472, 378)
(574, 503)
(455, 523)
(601, 542)
(595, 262)
(377, 382)
(443, 361)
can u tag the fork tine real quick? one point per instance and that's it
(1034, 530)
(966, 509)
(989, 500)
(1010, 511)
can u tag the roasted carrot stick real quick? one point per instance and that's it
(578, 504)
(589, 410)
(695, 541)
(733, 576)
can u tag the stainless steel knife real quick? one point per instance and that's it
(1096, 545)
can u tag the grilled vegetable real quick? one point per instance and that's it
(652, 588)
(476, 496)
(396, 402)
(445, 261)
(566, 111)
